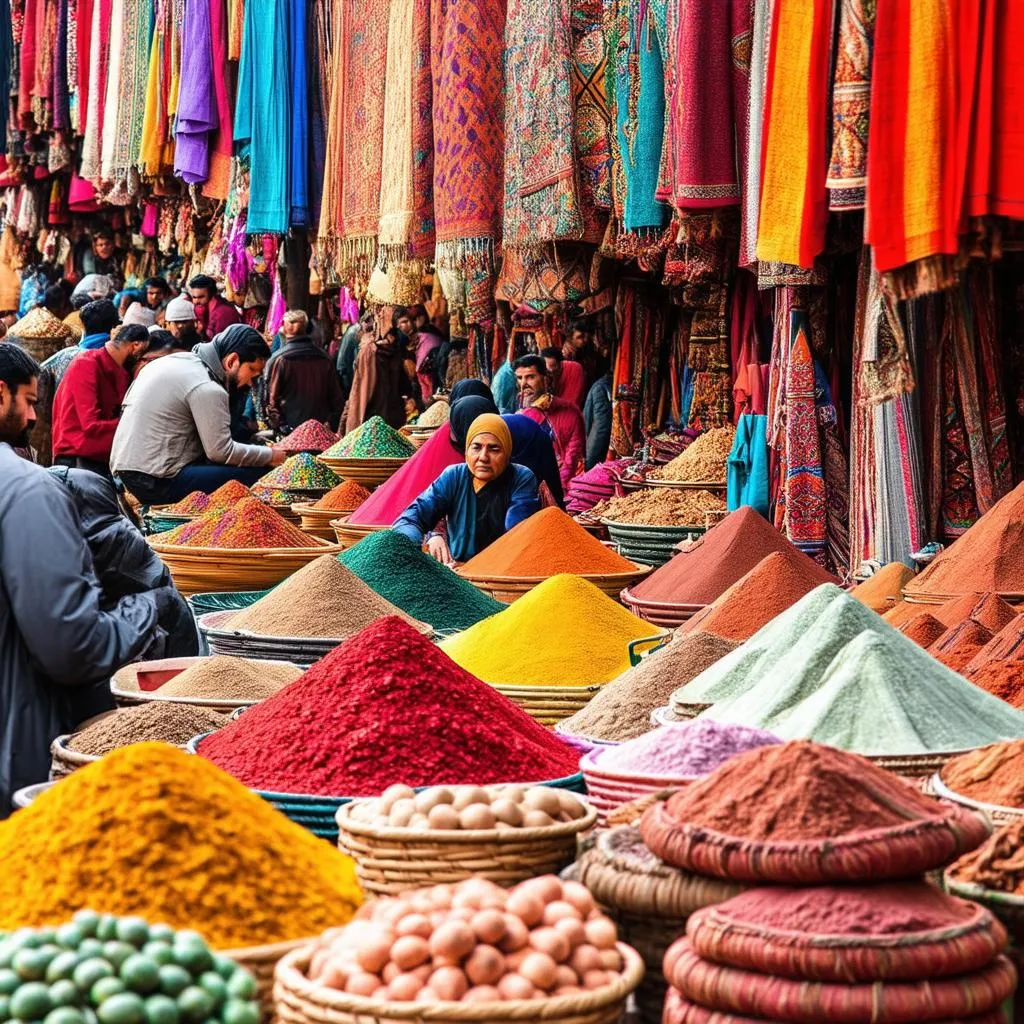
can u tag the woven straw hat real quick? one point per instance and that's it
(40, 324)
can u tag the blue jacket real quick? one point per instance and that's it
(532, 448)
(451, 495)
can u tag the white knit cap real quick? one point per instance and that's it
(179, 309)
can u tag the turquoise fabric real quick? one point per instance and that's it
(747, 470)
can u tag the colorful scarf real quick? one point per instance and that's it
(851, 105)
(541, 202)
(111, 85)
(421, 240)
(1008, 124)
(331, 226)
(81, 26)
(750, 142)
(154, 122)
(318, 66)
(794, 156)
(196, 99)
(99, 39)
(27, 63)
(218, 182)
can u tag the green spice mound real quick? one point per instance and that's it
(398, 570)
(830, 670)
(373, 440)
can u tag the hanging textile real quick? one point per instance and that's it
(6, 54)
(196, 98)
(1008, 123)
(153, 157)
(60, 117)
(541, 202)
(299, 106)
(81, 26)
(131, 104)
(750, 143)
(262, 114)
(794, 157)
(747, 466)
(109, 87)
(318, 72)
(33, 13)
(851, 105)
(421, 238)
(219, 178)
(330, 225)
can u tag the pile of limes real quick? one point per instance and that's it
(101, 969)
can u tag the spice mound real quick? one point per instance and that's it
(660, 508)
(564, 632)
(704, 461)
(249, 524)
(158, 833)
(434, 415)
(230, 493)
(158, 720)
(991, 775)
(193, 504)
(302, 472)
(311, 436)
(547, 543)
(386, 706)
(225, 678)
(996, 864)
(345, 497)
(372, 440)
(883, 590)
(958, 646)
(923, 629)
(622, 709)
(322, 599)
(1003, 679)
(681, 751)
(422, 587)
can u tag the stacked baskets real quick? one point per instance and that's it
(648, 545)
(609, 790)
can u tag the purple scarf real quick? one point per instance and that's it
(197, 100)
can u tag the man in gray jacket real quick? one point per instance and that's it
(174, 435)
(59, 641)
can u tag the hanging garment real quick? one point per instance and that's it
(298, 180)
(747, 468)
(421, 239)
(6, 53)
(318, 72)
(750, 143)
(196, 99)
(219, 179)
(331, 226)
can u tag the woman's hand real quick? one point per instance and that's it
(437, 547)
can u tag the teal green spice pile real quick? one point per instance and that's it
(373, 440)
(302, 472)
(398, 570)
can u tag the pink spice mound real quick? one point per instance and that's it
(386, 706)
(312, 436)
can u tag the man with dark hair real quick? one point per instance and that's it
(88, 401)
(102, 257)
(99, 318)
(347, 352)
(580, 347)
(380, 384)
(55, 300)
(303, 384)
(567, 377)
(561, 419)
(161, 343)
(213, 312)
(156, 292)
(175, 431)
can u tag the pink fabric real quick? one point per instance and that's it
(564, 422)
(573, 384)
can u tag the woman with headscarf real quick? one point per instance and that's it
(480, 499)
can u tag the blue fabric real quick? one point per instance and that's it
(747, 470)
(503, 387)
(94, 341)
(532, 447)
(451, 496)
(299, 181)
(199, 476)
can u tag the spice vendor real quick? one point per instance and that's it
(480, 499)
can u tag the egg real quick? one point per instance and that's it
(579, 896)
(485, 965)
(572, 929)
(428, 995)
(539, 970)
(449, 983)
(611, 960)
(443, 816)
(595, 979)
(517, 935)
(393, 794)
(585, 958)
(429, 798)
(513, 793)
(466, 795)
(419, 823)
(362, 984)
(541, 798)
(441, 896)
(317, 962)
(601, 932)
(374, 954)
(489, 926)
(410, 951)
(537, 819)
(335, 976)
(482, 994)
(565, 975)
(477, 816)
(401, 813)
(515, 986)
(405, 988)
(414, 924)
(454, 939)
(507, 812)
(551, 942)
(423, 972)
(571, 806)
(390, 972)
(527, 906)
(559, 910)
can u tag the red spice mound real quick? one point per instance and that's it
(348, 495)
(249, 524)
(1008, 643)
(311, 436)
(719, 559)
(546, 544)
(989, 556)
(902, 613)
(923, 629)
(229, 494)
(1003, 679)
(958, 646)
(191, 505)
(881, 591)
(776, 583)
(799, 791)
(386, 706)
(991, 775)
(988, 609)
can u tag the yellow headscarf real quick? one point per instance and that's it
(490, 423)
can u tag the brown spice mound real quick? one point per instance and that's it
(661, 507)
(923, 629)
(988, 609)
(622, 709)
(799, 791)
(157, 720)
(991, 775)
(997, 863)
(1003, 679)
(323, 599)
(703, 461)
(881, 591)
(225, 678)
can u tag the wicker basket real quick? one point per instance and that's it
(261, 961)
(999, 816)
(511, 588)
(349, 536)
(297, 1000)
(916, 766)
(714, 486)
(197, 569)
(549, 704)
(368, 472)
(64, 761)
(21, 798)
(608, 791)
(317, 521)
(392, 860)
(671, 616)
(1006, 906)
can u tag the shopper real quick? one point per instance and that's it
(303, 384)
(180, 320)
(568, 380)
(213, 312)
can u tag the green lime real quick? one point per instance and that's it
(241, 984)
(64, 992)
(104, 989)
(31, 1001)
(224, 965)
(195, 1004)
(161, 1009)
(9, 981)
(5, 1007)
(31, 964)
(161, 933)
(90, 948)
(70, 935)
(212, 982)
(140, 973)
(87, 973)
(174, 979)
(25, 938)
(159, 952)
(45, 935)
(115, 952)
(134, 930)
(241, 1011)
(125, 1008)
(107, 928)
(193, 956)
(62, 965)
(87, 920)
(65, 1015)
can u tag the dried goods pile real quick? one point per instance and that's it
(989, 556)
(157, 721)
(681, 751)
(712, 564)
(923, 629)
(883, 590)
(546, 544)
(374, 439)
(597, 484)
(322, 599)
(622, 709)
(660, 508)
(958, 646)
(991, 775)
(704, 461)
(421, 586)
(434, 415)
(345, 497)
(225, 678)
(192, 504)
(302, 472)
(384, 707)
(249, 524)
(229, 493)
(1003, 679)
(564, 632)
(136, 833)
(542, 939)
(987, 608)
(996, 864)
(311, 436)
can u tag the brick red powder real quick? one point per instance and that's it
(958, 646)
(1007, 643)
(799, 791)
(1003, 679)
(923, 629)
(988, 609)
(386, 706)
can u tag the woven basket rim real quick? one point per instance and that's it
(552, 691)
(275, 949)
(532, 581)
(383, 462)
(306, 508)
(289, 975)
(973, 891)
(942, 790)
(687, 485)
(499, 837)
(321, 547)
(591, 770)
(60, 748)
(673, 606)
(660, 532)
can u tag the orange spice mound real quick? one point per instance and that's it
(902, 613)
(881, 591)
(249, 524)
(923, 629)
(229, 494)
(988, 609)
(959, 645)
(1003, 679)
(347, 496)
(546, 544)
(1007, 643)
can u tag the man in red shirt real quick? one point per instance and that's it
(87, 405)
(213, 312)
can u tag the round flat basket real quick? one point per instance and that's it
(21, 798)
(999, 815)
(368, 472)
(549, 704)
(261, 961)
(297, 1000)
(714, 486)
(391, 860)
(658, 613)
(126, 682)
(317, 521)
(916, 766)
(608, 791)
(64, 761)
(214, 601)
(200, 569)
(157, 521)
(1004, 905)
(349, 536)
(511, 588)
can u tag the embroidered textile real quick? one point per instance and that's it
(750, 142)
(421, 240)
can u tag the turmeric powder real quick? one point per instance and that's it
(152, 831)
